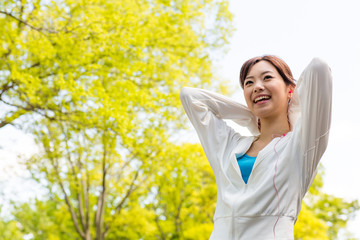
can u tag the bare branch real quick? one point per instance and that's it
(163, 237)
(119, 207)
(67, 200)
(29, 25)
(86, 201)
(77, 185)
(41, 111)
(6, 54)
(87, 197)
(4, 123)
(177, 216)
(130, 190)
(5, 87)
(85, 191)
(99, 215)
(21, 12)
(11, 116)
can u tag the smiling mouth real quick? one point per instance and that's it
(261, 98)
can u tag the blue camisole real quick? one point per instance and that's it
(246, 164)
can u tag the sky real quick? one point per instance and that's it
(297, 31)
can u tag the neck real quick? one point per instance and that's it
(273, 127)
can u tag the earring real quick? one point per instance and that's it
(287, 114)
(291, 92)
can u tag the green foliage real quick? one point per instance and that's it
(97, 83)
(45, 220)
(10, 229)
(335, 211)
(323, 215)
(309, 227)
(118, 59)
(184, 194)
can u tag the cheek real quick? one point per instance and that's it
(281, 97)
(247, 96)
(279, 89)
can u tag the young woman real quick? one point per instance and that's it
(262, 179)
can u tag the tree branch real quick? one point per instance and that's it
(27, 24)
(4, 123)
(129, 191)
(77, 185)
(5, 87)
(119, 207)
(163, 237)
(177, 216)
(14, 115)
(85, 191)
(99, 215)
(67, 200)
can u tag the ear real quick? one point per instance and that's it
(290, 91)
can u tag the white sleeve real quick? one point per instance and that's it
(314, 95)
(206, 111)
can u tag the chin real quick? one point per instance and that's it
(263, 114)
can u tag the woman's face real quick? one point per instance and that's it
(265, 91)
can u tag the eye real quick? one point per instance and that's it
(267, 77)
(248, 82)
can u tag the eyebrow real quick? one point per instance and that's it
(260, 74)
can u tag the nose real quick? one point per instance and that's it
(258, 86)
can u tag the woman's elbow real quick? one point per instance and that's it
(320, 66)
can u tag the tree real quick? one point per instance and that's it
(179, 205)
(97, 83)
(44, 219)
(184, 194)
(9, 229)
(323, 215)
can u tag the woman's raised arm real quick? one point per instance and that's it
(314, 94)
(206, 111)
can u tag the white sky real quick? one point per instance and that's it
(297, 31)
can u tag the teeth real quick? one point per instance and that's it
(261, 98)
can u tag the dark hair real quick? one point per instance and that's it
(277, 62)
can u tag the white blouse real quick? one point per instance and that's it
(268, 205)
